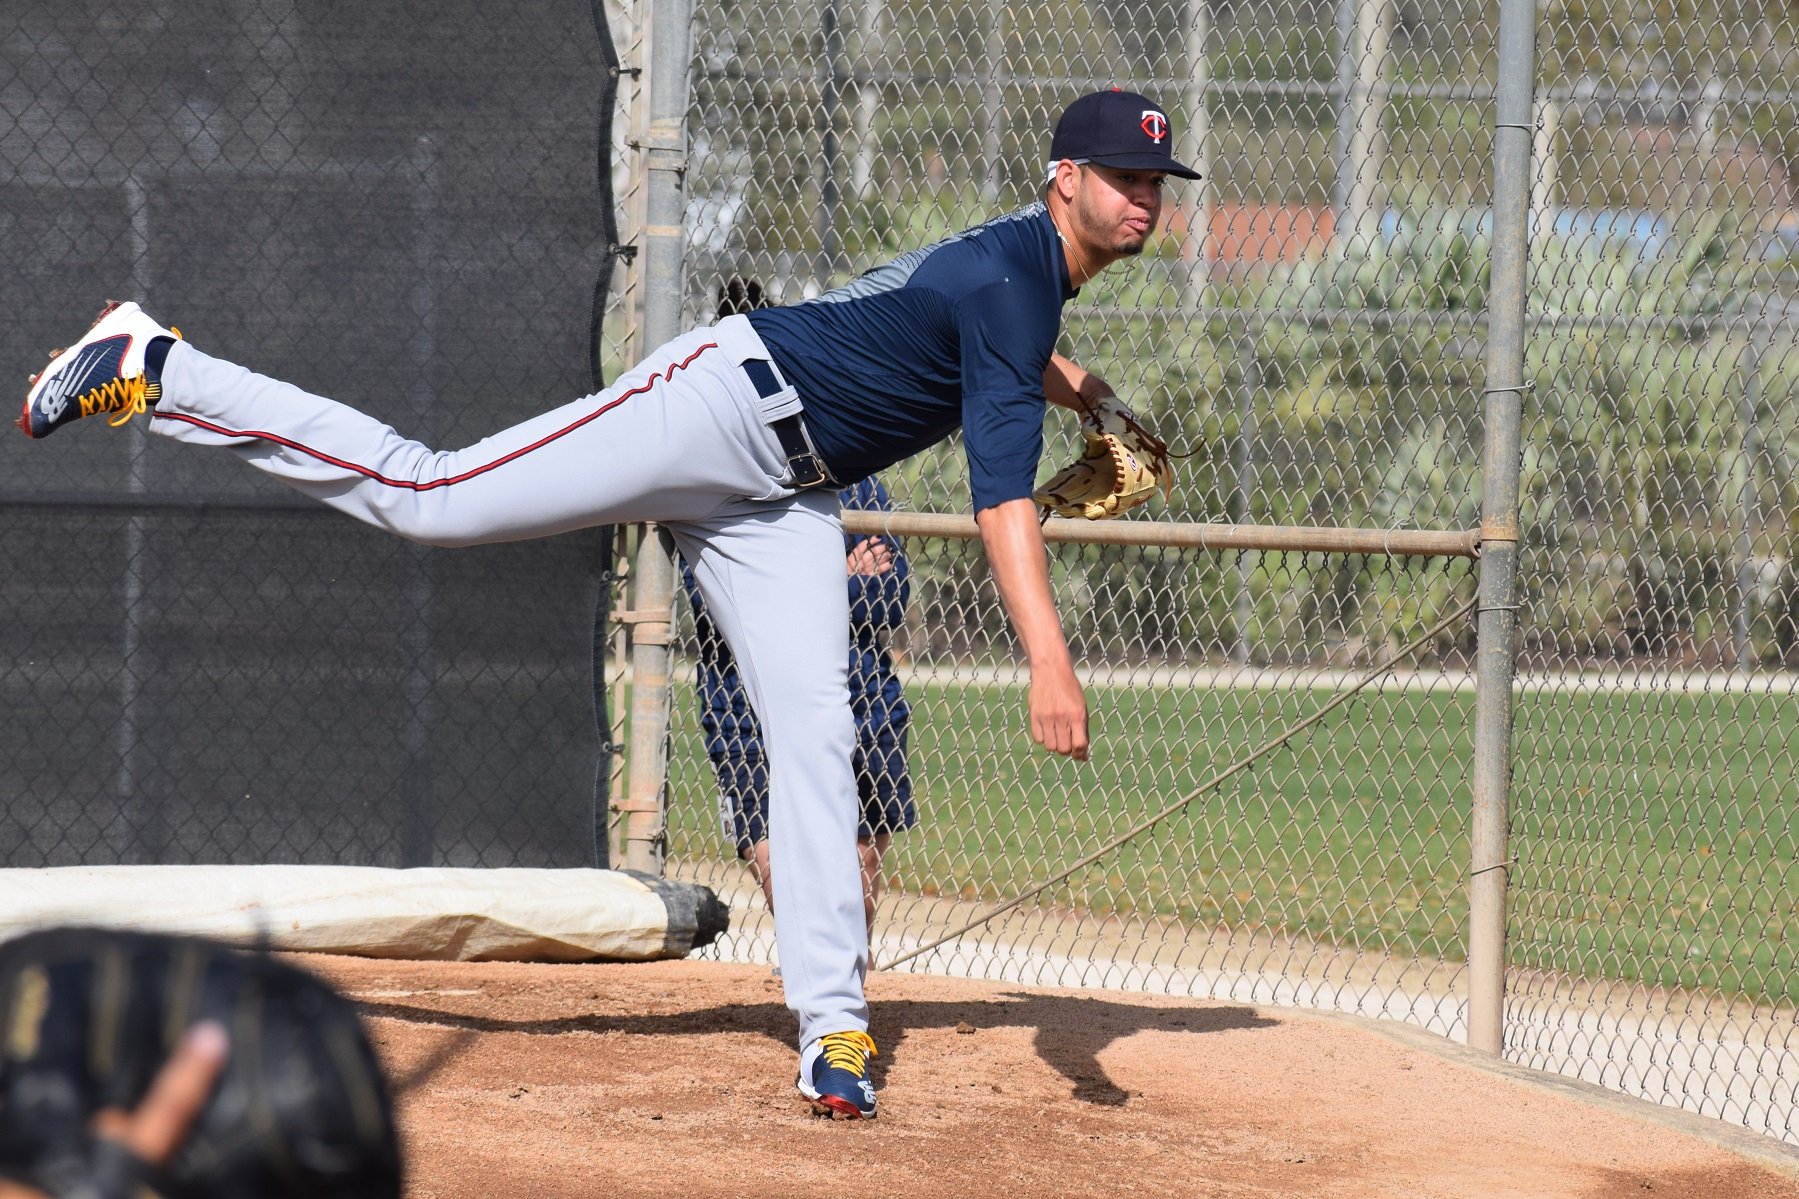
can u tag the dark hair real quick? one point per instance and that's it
(738, 294)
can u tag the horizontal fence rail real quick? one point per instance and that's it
(1420, 543)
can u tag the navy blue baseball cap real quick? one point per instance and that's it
(1117, 129)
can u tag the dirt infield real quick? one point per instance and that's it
(675, 1078)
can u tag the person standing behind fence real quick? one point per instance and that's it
(879, 587)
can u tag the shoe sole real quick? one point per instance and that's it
(24, 421)
(838, 1109)
(834, 1106)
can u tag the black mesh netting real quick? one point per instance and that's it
(394, 204)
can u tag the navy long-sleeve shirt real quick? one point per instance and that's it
(954, 335)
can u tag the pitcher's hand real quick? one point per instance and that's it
(1059, 713)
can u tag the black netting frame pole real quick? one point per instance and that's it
(601, 815)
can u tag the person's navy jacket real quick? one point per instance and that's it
(877, 607)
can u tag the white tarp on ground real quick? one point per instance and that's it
(422, 914)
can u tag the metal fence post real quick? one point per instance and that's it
(1745, 490)
(990, 119)
(653, 577)
(831, 77)
(1243, 473)
(1498, 622)
(1196, 269)
(652, 597)
(1364, 33)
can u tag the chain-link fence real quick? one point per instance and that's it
(391, 203)
(398, 204)
(1658, 727)
(1314, 327)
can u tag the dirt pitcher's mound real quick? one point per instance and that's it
(676, 1079)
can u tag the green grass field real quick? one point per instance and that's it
(1651, 831)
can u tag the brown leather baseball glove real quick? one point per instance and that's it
(1122, 465)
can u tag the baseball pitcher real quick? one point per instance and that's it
(736, 437)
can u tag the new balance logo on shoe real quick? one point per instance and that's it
(53, 403)
(98, 361)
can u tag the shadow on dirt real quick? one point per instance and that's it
(1070, 1031)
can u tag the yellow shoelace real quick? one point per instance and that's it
(848, 1051)
(125, 397)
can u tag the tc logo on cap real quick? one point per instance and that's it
(1109, 129)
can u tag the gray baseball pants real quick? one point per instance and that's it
(683, 439)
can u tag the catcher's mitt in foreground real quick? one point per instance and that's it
(1123, 465)
(89, 1016)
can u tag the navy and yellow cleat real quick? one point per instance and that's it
(103, 373)
(839, 1086)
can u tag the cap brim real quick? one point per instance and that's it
(1145, 162)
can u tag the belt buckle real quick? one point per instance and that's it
(807, 470)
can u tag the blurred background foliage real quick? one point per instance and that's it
(1310, 328)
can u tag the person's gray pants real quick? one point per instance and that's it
(681, 439)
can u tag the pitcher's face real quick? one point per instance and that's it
(1114, 211)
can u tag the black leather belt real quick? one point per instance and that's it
(808, 468)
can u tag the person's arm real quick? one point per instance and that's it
(1015, 553)
(1067, 384)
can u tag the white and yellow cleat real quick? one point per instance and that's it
(103, 373)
